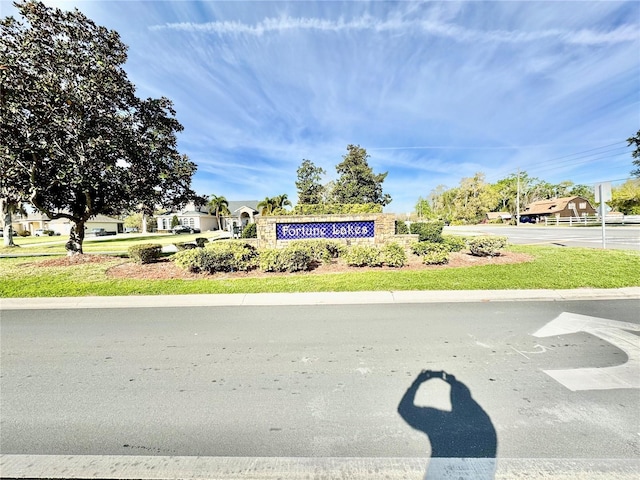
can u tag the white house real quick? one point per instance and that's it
(242, 213)
(35, 220)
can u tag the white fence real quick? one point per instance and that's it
(593, 220)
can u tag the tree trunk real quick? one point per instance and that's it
(144, 223)
(76, 237)
(7, 230)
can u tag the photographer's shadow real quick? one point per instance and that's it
(463, 440)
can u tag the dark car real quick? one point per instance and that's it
(184, 229)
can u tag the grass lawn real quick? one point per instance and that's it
(552, 268)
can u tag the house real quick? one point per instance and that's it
(242, 213)
(35, 221)
(495, 216)
(190, 216)
(557, 208)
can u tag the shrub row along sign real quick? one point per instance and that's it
(304, 231)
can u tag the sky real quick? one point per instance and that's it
(434, 91)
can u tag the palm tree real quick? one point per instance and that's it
(266, 206)
(220, 206)
(281, 201)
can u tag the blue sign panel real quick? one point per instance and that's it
(302, 231)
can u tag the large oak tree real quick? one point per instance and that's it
(76, 140)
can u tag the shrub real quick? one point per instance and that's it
(393, 255)
(428, 231)
(437, 256)
(189, 260)
(201, 241)
(454, 243)
(431, 253)
(250, 231)
(320, 250)
(184, 246)
(24, 233)
(401, 227)
(336, 208)
(218, 257)
(244, 256)
(363, 256)
(292, 258)
(486, 246)
(145, 252)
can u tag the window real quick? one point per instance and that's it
(583, 205)
(571, 205)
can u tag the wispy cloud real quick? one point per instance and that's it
(368, 23)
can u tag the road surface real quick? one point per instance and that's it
(320, 384)
(617, 237)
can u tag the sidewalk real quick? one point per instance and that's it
(319, 298)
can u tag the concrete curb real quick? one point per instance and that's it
(319, 298)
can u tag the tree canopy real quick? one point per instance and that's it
(310, 190)
(357, 183)
(77, 141)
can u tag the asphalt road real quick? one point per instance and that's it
(312, 381)
(616, 237)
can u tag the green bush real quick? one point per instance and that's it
(145, 252)
(363, 256)
(250, 231)
(401, 227)
(189, 259)
(184, 246)
(335, 208)
(320, 250)
(428, 231)
(437, 256)
(393, 255)
(201, 241)
(224, 256)
(487, 246)
(292, 258)
(24, 233)
(454, 243)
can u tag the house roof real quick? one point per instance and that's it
(554, 205)
(236, 205)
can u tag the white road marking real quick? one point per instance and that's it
(617, 333)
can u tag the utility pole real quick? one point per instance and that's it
(518, 200)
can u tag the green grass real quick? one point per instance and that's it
(115, 244)
(552, 268)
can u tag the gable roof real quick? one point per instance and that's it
(553, 205)
(236, 205)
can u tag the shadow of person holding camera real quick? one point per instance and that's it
(463, 440)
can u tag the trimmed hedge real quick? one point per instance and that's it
(401, 227)
(432, 253)
(487, 246)
(320, 250)
(145, 253)
(454, 243)
(335, 208)
(428, 231)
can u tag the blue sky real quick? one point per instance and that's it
(435, 91)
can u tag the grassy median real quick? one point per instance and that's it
(552, 268)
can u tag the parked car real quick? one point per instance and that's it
(101, 232)
(43, 232)
(184, 229)
(13, 232)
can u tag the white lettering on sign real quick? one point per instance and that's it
(617, 333)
